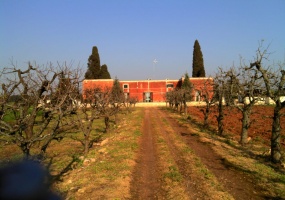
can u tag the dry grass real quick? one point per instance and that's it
(106, 172)
(252, 159)
(194, 174)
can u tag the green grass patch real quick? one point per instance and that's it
(10, 115)
(173, 174)
(160, 140)
(164, 121)
(137, 133)
(126, 145)
(187, 149)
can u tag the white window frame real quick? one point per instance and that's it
(125, 85)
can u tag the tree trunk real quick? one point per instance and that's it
(220, 117)
(25, 149)
(180, 108)
(206, 115)
(86, 143)
(115, 118)
(176, 106)
(44, 147)
(245, 125)
(28, 131)
(107, 123)
(185, 108)
(275, 137)
(87, 133)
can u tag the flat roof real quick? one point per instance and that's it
(148, 80)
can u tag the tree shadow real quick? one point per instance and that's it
(58, 177)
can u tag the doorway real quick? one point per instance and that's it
(147, 96)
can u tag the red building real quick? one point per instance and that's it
(148, 90)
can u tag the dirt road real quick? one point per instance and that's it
(173, 164)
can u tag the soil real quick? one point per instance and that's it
(261, 121)
(171, 160)
(146, 177)
(146, 181)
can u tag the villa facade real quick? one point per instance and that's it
(148, 90)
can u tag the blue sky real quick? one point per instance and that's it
(130, 34)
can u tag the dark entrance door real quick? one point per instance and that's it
(147, 96)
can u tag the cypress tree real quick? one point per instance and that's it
(186, 91)
(104, 73)
(198, 62)
(187, 85)
(117, 91)
(93, 71)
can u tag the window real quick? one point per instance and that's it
(169, 85)
(125, 86)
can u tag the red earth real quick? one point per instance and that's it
(147, 182)
(261, 118)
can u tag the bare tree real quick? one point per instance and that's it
(110, 103)
(179, 97)
(20, 122)
(207, 93)
(97, 102)
(175, 99)
(85, 116)
(171, 98)
(231, 86)
(249, 88)
(67, 96)
(274, 82)
(219, 94)
(132, 101)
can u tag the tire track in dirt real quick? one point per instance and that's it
(146, 175)
(237, 183)
(189, 180)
